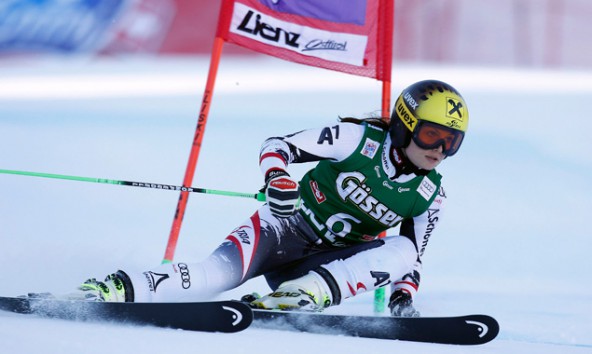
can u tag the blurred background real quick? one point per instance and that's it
(519, 33)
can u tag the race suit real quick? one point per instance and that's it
(361, 187)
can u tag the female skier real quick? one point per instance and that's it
(316, 240)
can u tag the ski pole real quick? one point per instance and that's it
(258, 196)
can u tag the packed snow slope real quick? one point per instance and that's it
(514, 242)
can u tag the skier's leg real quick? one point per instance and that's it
(261, 243)
(185, 281)
(344, 278)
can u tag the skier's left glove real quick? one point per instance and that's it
(401, 305)
(282, 194)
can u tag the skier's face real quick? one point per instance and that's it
(426, 159)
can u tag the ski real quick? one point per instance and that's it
(218, 316)
(462, 330)
(233, 316)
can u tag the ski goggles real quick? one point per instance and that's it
(428, 135)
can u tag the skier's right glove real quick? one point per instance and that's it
(401, 305)
(282, 194)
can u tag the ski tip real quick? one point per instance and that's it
(241, 315)
(484, 328)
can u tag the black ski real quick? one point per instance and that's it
(234, 316)
(471, 329)
(219, 316)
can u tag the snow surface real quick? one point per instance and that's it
(514, 244)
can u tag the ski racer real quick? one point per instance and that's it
(316, 240)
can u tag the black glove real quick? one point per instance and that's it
(401, 305)
(282, 194)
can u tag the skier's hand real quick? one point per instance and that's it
(401, 305)
(282, 194)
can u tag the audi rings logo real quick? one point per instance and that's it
(185, 278)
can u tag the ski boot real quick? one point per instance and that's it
(117, 287)
(307, 293)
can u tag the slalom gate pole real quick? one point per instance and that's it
(258, 196)
(195, 149)
(379, 294)
(386, 23)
